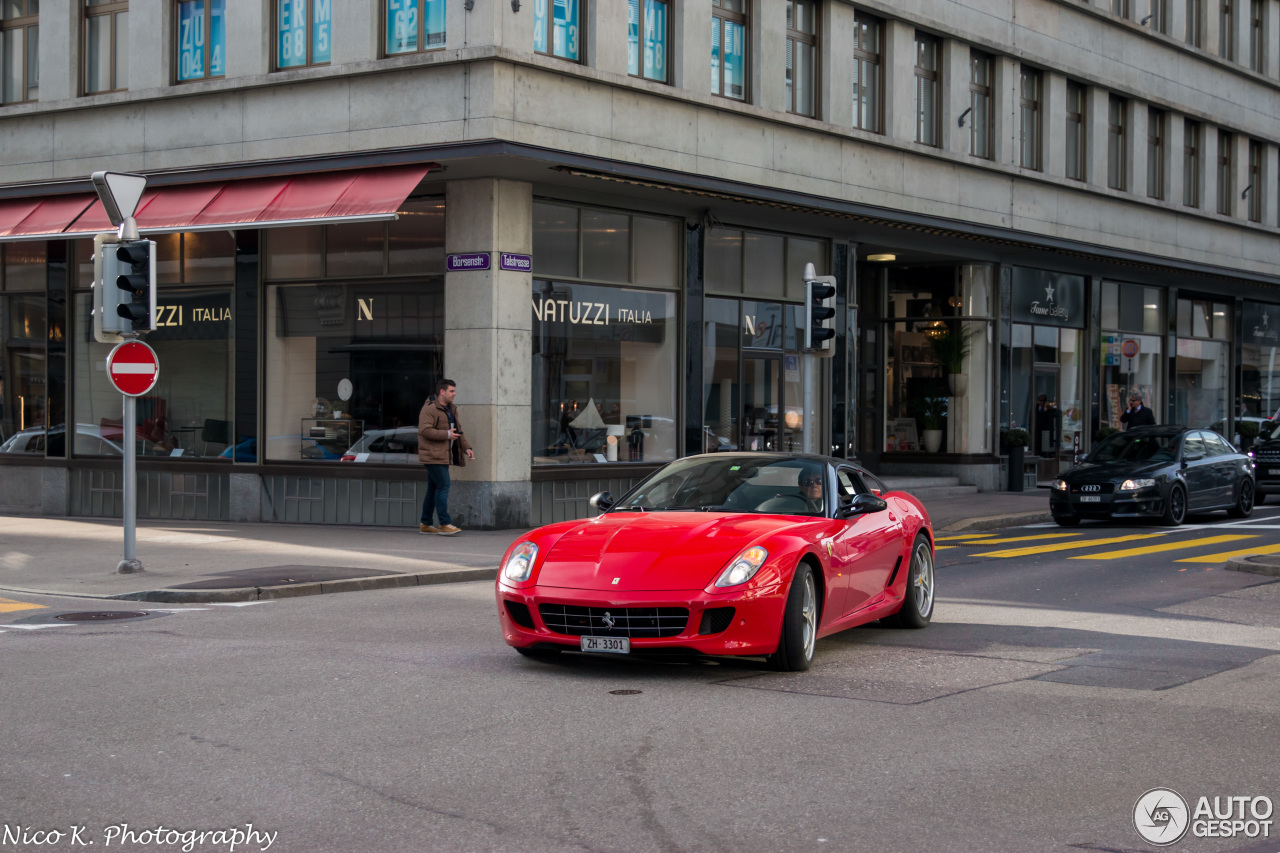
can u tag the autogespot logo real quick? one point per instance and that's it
(1160, 816)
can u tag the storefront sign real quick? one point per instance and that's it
(192, 317)
(469, 261)
(518, 263)
(1048, 298)
(601, 313)
(1261, 324)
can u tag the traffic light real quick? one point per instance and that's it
(819, 297)
(137, 278)
(107, 323)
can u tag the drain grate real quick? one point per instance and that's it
(101, 615)
(625, 692)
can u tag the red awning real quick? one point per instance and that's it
(253, 202)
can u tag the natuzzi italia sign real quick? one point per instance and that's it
(1047, 298)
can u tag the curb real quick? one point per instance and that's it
(994, 522)
(1252, 564)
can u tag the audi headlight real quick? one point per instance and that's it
(1060, 485)
(744, 567)
(1135, 485)
(520, 563)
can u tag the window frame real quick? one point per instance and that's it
(1121, 8)
(814, 40)
(1226, 34)
(1195, 23)
(422, 34)
(979, 92)
(1257, 43)
(668, 39)
(25, 23)
(1226, 168)
(1254, 209)
(1030, 105)
(1155, 153)
(207, 58)
(863, 58)
(1079, 118)
(309, 61)
(1191, 163)
(719, 15)
(923, 76)
(581, 58)
(1160, 16)
(1117, 143)
(101, 10)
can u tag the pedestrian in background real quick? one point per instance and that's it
(441, 443)
(1138, 414)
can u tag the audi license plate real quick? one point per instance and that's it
(613, 645)
(1274, 472)
(1090, 499)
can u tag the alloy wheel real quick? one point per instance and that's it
(923, 583)
(809, 613)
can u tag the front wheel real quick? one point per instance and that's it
(1244, 501)
(1175, 507)
(799, 636)
(917, 603)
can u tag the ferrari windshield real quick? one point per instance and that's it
(725, 483)
(1143, 447)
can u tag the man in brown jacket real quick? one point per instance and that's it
(438, 429)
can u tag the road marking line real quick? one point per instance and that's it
(8, 605)
(953, 538)
(942, 547)
(1156, 549)
(1022, 539)
(1062, 546)
(1227, 555)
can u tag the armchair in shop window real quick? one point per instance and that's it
(215, 432)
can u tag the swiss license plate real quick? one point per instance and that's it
(1090, 499)
(1274, 472)
(612, 645)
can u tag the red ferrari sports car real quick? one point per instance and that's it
(723, 554)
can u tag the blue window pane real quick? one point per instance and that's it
(435, 23)
(565, 28)
(655, 40)
(633, 36)
(291, 26)
(322, 13)
(715, 55)
(540, 25)
(191, 40)
(735, 60)
(217, 38)
(402, 26)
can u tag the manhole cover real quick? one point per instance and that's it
(626, 692)
(101, 615)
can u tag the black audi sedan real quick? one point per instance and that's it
(1161, 472)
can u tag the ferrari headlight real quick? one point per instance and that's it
(1060, 485)
(520, 563)
(744, 567)
(1135, 485)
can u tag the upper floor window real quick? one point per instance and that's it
(1195, 23)
(303, 29)
(1160, 16)
(414, 25)
(1191, 163)
(802, 56)
(1226, 34)
(1029, 119)
(729, 48)
(980, 104)
(1120, 7)
(1155, 153)
(106, 41)
(1226, 186)
(1256, 194)
(868, 78)
(557, 27)
(19, 50)
(1075, 131)
(202, 39)
(1255, 35)
(926, 89)
(648, 34)
(1117, 178)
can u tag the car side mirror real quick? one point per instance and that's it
(861, 505)
(601, 501)
(1193, 457)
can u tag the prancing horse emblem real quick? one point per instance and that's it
(607, 619)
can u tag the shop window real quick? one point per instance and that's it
(729, 48)
(201, 39)
(19, 51)
(1260, 361)
(648, 39)
(868, 73)
(412, 244)
(106, 46)
(1029, 119)
(1202, 366)
(980, 105)
(761, 264)
(605, 246)
(557, 28)
(24, 334)
(1132, 322)
(1075, 131)
(413, 25)
(802, 57)
(925, 91)
(303, 32)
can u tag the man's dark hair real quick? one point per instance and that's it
(445, 383)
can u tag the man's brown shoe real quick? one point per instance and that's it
(448, 530)
(427, 528)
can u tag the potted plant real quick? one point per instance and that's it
(1248, 431)
(951, 348)
(1016, 441)
(932, 411)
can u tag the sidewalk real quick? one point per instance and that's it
(191, 561)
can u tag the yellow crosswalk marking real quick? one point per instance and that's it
(1021, 539)
(9, 606)
(1156, 549)
(942, 547)
(953, 538)
(1062, 546)
(1227, 555)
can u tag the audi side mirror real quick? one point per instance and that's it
(601, 501)
(861, 505)
(1193, 457)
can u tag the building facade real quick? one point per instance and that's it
(594, 216)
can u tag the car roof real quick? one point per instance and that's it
(766, 455)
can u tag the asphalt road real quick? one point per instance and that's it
(1048, 695)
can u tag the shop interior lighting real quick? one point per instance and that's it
(882, 257)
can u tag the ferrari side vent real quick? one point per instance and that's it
(715, 620)
(520, 614)
(614, 621)
(896, 566)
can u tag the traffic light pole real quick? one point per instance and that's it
(130, 564)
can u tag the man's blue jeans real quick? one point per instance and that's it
(436, 501)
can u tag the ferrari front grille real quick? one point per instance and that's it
(614, 621)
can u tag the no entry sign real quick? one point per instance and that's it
(133, 368)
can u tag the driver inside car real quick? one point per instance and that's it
(811, 488)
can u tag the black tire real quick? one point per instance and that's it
(1175, 506)
(1066, 521)
(917, 602)
(542, 653)
(799, 635)
(1259, 496)
(1244, 500)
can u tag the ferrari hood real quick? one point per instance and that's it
(652, 551)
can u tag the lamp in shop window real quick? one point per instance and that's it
(935, 328)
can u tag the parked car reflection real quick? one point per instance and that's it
(388, 446)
